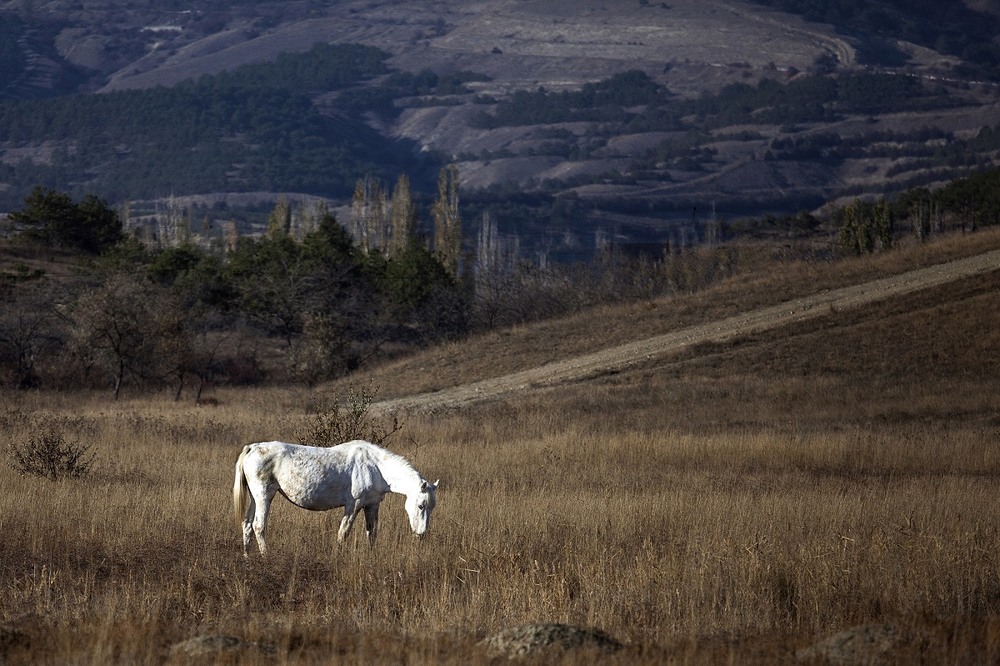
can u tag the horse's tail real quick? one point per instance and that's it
(241, 492)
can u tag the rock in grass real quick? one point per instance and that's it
(864, 644)
(203, 646)
(531, 639)
(12, 638)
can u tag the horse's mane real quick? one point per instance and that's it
(386, 455)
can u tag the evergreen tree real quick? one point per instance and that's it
(53, 218)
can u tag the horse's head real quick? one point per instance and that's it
(419, 506)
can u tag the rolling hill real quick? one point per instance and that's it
(644, 171)
(919, 314)
(705, 336)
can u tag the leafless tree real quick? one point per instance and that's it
(28, 333)
(118, 325)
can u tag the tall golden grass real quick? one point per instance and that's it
(737, 503)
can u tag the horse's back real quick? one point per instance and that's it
(265, 449)
(312, 477)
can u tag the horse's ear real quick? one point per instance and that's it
(437, 483)
(423, 485)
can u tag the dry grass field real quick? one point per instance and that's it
(737, 503)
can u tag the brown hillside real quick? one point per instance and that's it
(939, 333)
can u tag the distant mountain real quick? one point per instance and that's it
(568, 120)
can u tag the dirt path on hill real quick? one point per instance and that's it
(753, 321)
(846, 55)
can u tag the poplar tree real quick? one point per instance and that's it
(857, 233)
(369, 215)
(487, 247)
(885, 224)
(279, 222)
(402, 216)
(447, 223)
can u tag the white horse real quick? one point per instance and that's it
(355, 475)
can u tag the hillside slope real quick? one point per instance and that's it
(618, 359)
(522, 45)
(651, 335)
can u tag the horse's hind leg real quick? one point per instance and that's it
(350, 511)
(259, 521)
(248, 526)
(371, 522)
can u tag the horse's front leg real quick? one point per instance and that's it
(371, 522)
(350, 511)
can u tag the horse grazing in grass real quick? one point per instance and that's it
(355, 475)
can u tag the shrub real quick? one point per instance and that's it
(48, 454)
(348, 418)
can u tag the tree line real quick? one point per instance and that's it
(302, 302)
(254, 128)
(309, 302)
(634, 99)
(235, 131)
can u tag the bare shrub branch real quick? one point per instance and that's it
(347, 418)
(47, 453)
